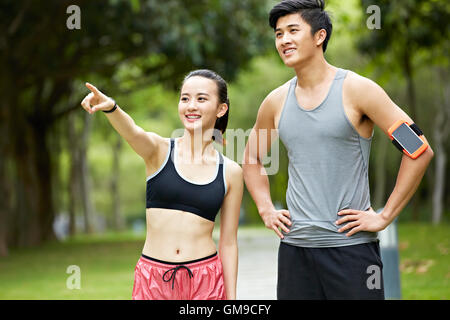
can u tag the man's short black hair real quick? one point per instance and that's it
(312, 11)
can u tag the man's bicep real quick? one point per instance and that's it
(385, 113)
(380, 108)
(263, 132)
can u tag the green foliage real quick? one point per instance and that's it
(409, 29)
(408, 24)
(161, 40)
(125, 45)
(406, 57)
(182, 39)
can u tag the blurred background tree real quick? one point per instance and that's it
(123, 45)
(414, 35)
(58, 163)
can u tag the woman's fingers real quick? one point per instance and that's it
(86, 103)
(93, 89)
(96, 99)
(102, 106)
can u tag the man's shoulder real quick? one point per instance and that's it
(275, 99)
(279, 91)
(355, 81)
(361, 89)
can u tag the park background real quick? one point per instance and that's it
(73, 192)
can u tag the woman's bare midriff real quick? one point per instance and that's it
(177, 236)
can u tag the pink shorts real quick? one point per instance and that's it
(200, 279)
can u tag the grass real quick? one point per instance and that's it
(107, 264)
(424, 261)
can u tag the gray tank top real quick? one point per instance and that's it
(328, 169)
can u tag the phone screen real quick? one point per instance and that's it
(407, 138)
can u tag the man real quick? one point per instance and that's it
(325, 118)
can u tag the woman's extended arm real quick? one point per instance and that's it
(229, 220)
(144, 143)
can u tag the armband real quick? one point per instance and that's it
(408, 138)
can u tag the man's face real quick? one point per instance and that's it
(293, 40)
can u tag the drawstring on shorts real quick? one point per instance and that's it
(174, 272)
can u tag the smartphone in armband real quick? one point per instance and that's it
(408, 138)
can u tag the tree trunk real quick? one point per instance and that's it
(439, 182)
(410, 88)
(117, 218)
(86, 200)
(4, 209)
(55, 141)
(44, 186)
(5, 185)
(73, 183)
(411, 96)
(34, 211)
(441, 132)
(26, 225)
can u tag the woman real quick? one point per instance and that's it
(188, 181)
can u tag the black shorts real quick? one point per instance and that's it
(349, 272)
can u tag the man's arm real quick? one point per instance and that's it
(256, 179)
(373, 101)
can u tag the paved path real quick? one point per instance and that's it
(257, 273)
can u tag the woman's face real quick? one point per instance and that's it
(199, 104)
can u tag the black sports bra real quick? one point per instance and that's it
(167, 189)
